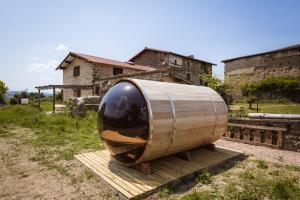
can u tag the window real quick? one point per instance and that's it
(175, 62)
(188, 64)
(77, 93)
(117, 71)
(76, 71)
(188, 76)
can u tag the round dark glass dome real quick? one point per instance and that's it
(123, 121)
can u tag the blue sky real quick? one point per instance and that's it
(37, 35)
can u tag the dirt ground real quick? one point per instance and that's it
(23, 178)
(264, 153)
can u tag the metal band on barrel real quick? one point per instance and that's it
(174, 121)
(216, 117)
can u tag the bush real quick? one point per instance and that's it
(16, 99)
(198, 196)
(219, 86)
(286, 188)
(13, 101)
(3, 90)
(275, 87)
(262, 164)
(204, 177)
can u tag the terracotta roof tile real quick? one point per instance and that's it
(167, 52)
(99, 60)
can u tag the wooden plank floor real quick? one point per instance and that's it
(132, 184)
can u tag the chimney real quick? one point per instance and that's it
(190, 56)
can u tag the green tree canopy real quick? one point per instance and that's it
(3, 89)
(218, 85)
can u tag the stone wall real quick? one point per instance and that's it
(291, 138)
(256, 68)
(85, 78)
(163, 75)
(160, 60)
(88, 73)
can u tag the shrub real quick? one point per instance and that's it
(164, 193)
(288, 87)
(13, 101)
(286, 188)
(3, 90)
(198, 196)
(219, 86)
(262, 164)
(247, 175)
(204, 177)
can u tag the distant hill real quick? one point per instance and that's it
(11, 93)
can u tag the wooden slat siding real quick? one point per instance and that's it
(137, 187)
(194, 112)
(151, 182)
(175, 169)
(165, 171)
(257, 127)
(131, 188)
(119, 188)
(156, 178)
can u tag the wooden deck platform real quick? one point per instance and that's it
(132, 184)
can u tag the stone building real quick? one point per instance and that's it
(256, 67)
(82, 69)
(187, 68)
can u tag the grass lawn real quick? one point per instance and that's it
(275, 108)
(249, 179)
(56, 138)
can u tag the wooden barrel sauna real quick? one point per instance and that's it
(140, 120)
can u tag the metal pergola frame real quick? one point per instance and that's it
(53, 87)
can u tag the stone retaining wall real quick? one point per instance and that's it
(291, 138)
(163, 75)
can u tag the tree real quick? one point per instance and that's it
(3, 90)
(218, 85)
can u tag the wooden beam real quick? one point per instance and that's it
(39, 98)
(48, 87)
(53, 106)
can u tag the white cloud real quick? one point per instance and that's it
(61, 47)
(35, 58)
(43, 67)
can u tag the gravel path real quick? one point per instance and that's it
(265, 153)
